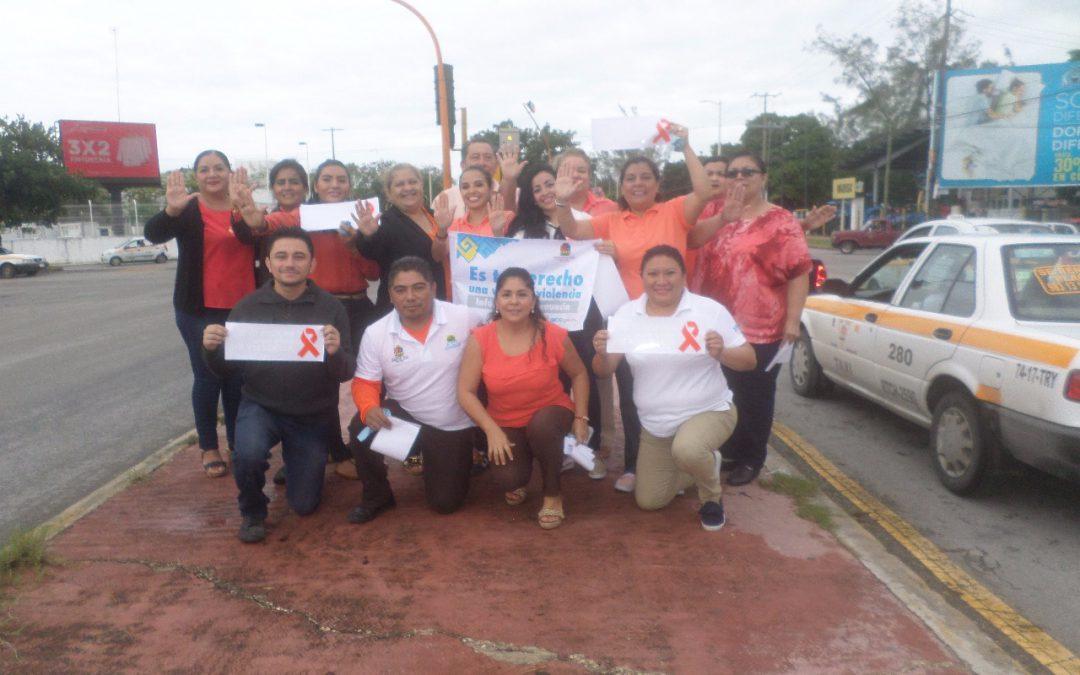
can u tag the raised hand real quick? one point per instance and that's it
(176, 194)
(509, 163)
(364, 217)
(734, 203)
(566, 184)
(444, 216)
(818, 216)
(497, 215)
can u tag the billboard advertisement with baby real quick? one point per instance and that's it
(1011, 127)
(119, 153)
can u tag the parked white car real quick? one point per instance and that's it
(940, 228)
(975, 337)
(135, 250)
(12, 263)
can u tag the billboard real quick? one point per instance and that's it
(116, 153)
(1011, 127)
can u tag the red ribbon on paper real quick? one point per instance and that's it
(690, 331)
(662, 134)
(308, 338)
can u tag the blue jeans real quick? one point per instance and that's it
(207, 387)
(303, 447)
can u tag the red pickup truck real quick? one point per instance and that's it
(874, 234)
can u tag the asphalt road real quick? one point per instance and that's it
(93, 378)
(1022, 542)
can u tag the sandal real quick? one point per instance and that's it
(414, 465)
(515, 497)
(550, 518)
(214, 468)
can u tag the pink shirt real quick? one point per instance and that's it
(746, 268)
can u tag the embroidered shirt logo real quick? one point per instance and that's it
(399, 354)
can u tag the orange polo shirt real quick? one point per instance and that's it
(662, 223)
(595, 206)
(339, 269)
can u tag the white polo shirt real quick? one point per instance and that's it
(671, 388)
(421, 377)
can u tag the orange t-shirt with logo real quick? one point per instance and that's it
(662, 223)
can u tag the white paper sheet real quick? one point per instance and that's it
(783, 355)
(273, 342)
(608, 290)
(581, 454)
(319, 217)
(625, 133)
(656, 335)
(397, 440)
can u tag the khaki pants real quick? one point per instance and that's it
(667, 465)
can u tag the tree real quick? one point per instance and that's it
(33, 181)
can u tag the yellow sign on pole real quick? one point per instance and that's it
(843, 188)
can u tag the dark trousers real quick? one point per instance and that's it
(361, 313)
(207, 387)
(624, 381)
(303, 447)
(755, 398)
(447, 457)
(582, 341)
(542, 439)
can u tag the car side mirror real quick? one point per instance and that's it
(836, 287)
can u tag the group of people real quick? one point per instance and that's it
(496, 391)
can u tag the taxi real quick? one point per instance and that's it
(976, 338)
(135, 250)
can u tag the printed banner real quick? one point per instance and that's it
(117, 151)
(564, 273)
(1011, 127)
(273, 342)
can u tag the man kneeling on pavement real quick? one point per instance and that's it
(293, 402)
(414, 353)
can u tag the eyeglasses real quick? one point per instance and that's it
(745, 172)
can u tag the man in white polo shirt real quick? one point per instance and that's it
(408, 365)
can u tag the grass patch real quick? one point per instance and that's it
(803, 492)
(24, 550)
(818, 241)
(191, 439)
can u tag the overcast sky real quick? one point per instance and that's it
(206, 72)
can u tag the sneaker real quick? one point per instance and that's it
(599, 470)
(626, 482)
(712, 516)
(366, 513)
(567, 464)
(252, 531)
(743, 474)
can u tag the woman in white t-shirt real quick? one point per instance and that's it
(683, 400)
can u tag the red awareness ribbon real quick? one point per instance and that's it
(690, 331)
(308, 338)
(662, 134)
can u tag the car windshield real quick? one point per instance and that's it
(1043, 281)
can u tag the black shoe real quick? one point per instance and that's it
(252, 531)
(365, 513)
(279, 477)
(727, 465)
(743, 474)
(712, 516)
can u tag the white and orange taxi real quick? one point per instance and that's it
(975, 338)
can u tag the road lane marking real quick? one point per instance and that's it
(1047, 651)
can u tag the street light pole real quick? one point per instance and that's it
(719, 124)
(307, 154)
(333, 150)
(266, 144)
(444, 112)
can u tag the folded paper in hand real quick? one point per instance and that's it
(396, 441)
(318, 217)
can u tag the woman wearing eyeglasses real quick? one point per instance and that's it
(757, 266)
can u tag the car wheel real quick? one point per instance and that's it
(7, 270)
(161, 258)
(806, 376)
(115, 261)
(965, 453)
(847, 247)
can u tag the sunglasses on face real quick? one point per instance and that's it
(745, 172)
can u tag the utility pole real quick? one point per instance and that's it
(333, 149)
(938, 117)
(764, 123)
(116, 56)
(266, 143)
(719, 124)
(307, 153)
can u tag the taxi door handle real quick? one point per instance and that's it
(943, 333)
(871, 317)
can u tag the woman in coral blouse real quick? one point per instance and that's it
(484, 212)
(518, 357)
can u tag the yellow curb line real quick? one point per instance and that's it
(1054, 656)
(84, 506)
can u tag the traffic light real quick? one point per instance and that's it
(450, 108)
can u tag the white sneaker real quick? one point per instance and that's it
(599, 470)
(625, 482)
(567, 463)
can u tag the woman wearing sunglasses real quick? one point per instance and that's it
(756, 266)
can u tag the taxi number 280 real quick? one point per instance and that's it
(900, 354)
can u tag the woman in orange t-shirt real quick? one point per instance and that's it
(484, 211)
(518, 356)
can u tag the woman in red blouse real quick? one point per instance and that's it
(214, 270)
(756, 266)
(518, 356)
